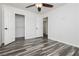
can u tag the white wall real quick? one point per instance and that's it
(0, 25)
(33, 22)
(63, 24)
(19, 25)
(34, 26)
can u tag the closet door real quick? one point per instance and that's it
(9, 25)
(39, 27)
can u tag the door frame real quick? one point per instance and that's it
(15, 24)
(47, 25)
(14, 11)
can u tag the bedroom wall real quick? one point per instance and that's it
(63, 24)
(33, 22)
(34, 26)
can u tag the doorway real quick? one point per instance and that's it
(45, 27)
(19, 27)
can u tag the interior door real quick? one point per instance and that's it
(39, 27)
(9, 26)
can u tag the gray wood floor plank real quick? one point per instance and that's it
(38, 47)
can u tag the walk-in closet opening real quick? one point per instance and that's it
(19, 27)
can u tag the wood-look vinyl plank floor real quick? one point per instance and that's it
(38, 47)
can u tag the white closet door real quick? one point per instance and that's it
(39, 27)
(9, 26)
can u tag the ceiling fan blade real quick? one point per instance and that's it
(30, 6)
(47, 5)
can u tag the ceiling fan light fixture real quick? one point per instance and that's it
(38, 5)
(39, 9)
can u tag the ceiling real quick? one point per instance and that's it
(34, 9)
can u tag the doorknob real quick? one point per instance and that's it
(5, 28)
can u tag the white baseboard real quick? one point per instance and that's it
(75, 45)
(33, 37)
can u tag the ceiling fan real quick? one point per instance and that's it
(40, 5)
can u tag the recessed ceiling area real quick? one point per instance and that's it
(34, 8)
